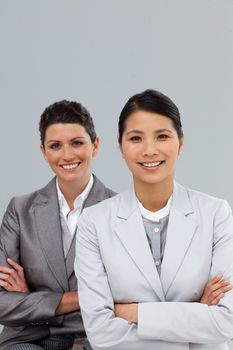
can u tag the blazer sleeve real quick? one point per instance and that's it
(16, 308)
(104, 330)
(195, 322)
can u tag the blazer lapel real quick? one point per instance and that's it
(70, 258)
(131, 232)
(97, 194)
(49, 232)
(181, 229)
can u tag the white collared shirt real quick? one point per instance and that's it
(156, 215)
(71, 216)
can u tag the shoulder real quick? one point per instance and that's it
(25, 201)
(98, 193)
(107, 192)
(99, 217)
(203, 197)
(107, 204)
(104, 209)
(202, 202)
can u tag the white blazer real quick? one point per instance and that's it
(114, 264)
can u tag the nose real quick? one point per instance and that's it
(150, 149)
(68, 154)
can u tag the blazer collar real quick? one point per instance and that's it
(44, 194)
(97, 193)
(181, 199)
(181, 228)
(127, 203)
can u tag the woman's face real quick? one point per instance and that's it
(68, 150)
(150, 146)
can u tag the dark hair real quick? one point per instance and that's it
(151, 101)
(66, 112)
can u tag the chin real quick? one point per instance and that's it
(152, 180)
(68, 178)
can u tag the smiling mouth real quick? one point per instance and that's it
(70, 166)
(151, 164)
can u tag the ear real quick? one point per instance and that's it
(95, 146)
(43, 151)
(181, 146)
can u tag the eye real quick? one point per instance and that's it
(163, 137)
(135, 138)
(77, 143)
(55, 146)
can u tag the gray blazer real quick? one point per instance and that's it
(31, 235)
(114, 264)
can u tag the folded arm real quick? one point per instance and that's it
(214, 291)
(177, 322)
(197, 322)
(18, 305)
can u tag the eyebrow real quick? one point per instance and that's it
(141, 132)
(75, 138)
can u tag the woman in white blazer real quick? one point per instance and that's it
(151, 249)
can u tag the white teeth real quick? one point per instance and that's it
(69, 167)
(148, 165)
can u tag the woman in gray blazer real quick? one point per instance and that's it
(39, 304)
(151, 249)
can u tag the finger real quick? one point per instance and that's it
(219, 291)
(17, 267)
(11, 277)
(213, 284)
(6, 286)
(216, 278)
(212, 287)
(217, 299)
(10, 274)
(227, 288)
(216, 295)
(6, 269)
(5, 276)
(7, 279)
(14, 264)
(220, 285)
(225, 283)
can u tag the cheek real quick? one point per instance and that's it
(52, 159)
(127, 156)
(172, 150)
(173, 156)
(85, 154)
(130, 152)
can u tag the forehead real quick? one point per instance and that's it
(63, 130)
(144, 120)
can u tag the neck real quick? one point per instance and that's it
(72, 190)
(153, 196)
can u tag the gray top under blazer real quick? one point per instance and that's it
(31, 234)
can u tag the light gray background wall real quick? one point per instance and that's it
(100, 53)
